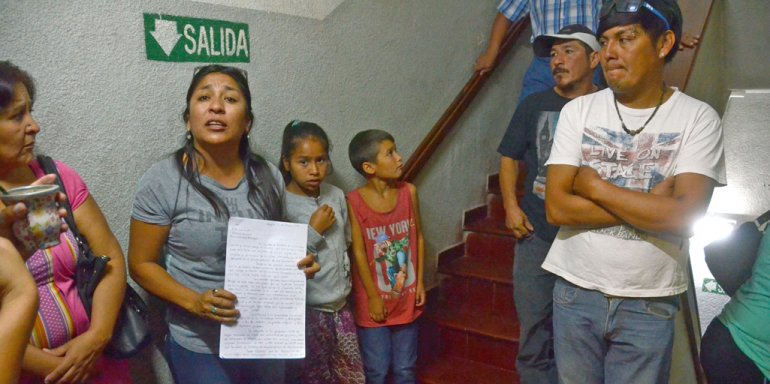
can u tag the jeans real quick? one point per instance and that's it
(394, 345)
(190, 367)
(722, 360)
(533, 297)
(606, 339)
(539, 77)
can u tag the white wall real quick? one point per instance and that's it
(394, 65)
(747, 49)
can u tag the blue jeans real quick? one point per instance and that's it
(606, 339)
(539, 77)
(189, 367)
(533, 297)
(383, 347)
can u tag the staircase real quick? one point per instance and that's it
(469, 333)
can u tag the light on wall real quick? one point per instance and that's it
(711, 228)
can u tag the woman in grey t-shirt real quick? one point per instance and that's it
(182, 205)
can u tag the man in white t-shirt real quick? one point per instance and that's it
(630, 170)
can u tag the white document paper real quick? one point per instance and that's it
(261, 270)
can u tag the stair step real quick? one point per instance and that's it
(466, 317)
(493, 183)
(451, 253)
(495, 207)
(496, 269)
(482, 295)
(488, 225)
(484, 245)
(451, 370)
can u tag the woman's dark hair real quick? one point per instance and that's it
(292, 134)
(10, 77)
(263, 188)
(653, 26)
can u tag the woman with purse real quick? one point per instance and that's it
(736, 345)
(66, 345)
(183, 204)
(18, 293)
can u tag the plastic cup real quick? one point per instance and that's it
(41, 227)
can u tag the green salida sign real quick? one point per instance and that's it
(185, 39)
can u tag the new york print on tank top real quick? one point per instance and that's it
(390, 240)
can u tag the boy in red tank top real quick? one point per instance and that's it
(388, 256)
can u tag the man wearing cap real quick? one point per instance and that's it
(631, 168)
(546, 17)
(573, 56)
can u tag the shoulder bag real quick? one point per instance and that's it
(731, 260)
(131, 332)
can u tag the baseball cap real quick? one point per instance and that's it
(542, 44)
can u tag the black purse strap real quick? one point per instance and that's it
(762, 219)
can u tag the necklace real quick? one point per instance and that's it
(637, 131)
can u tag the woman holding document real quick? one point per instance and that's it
(183, 203)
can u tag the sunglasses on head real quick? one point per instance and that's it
(631, 6)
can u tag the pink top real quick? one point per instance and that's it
(61, 315)
(390, 240)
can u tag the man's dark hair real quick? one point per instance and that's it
(653, 26)
(364, 147)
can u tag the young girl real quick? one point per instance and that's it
(332, 346)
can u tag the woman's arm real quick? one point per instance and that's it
(82, 352)
(144, 250)
(18, 306)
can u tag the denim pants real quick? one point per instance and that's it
(383, 347)
(607, 339)
(189, 367)
(533, 297)
(722, 360)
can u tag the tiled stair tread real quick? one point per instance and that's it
(493, 182)
(451, 370)
(497, 269)
(489, 225)
(466, 318)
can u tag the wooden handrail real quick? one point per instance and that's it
(448, 120)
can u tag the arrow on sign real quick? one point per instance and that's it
(166, 35)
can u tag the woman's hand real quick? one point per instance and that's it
(9, 214)
(217, 305)
(322, 219)
(79, 357)
(309, 266)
